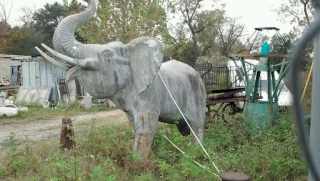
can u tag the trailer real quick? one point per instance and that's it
(223, 93)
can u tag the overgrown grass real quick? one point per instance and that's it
(36, 113)
(104, 153)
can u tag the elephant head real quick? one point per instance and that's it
(103, 70)
(117, 65)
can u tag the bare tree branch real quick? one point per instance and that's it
(5, 10)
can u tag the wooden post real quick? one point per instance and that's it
(67, 141)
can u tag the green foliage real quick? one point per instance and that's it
(176, 118)
(125, 20)
(46, 20)
(196, 32)
(281, 44)
(15, 40)
(181, 51)
(216, 60)
(12, 141)
(105, 154)
(298, 13)
(35, 30)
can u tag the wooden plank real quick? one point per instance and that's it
(212, 102)
(228, 100)
(214, 91)
(9, 87)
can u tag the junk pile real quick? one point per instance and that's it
(7, 108)
(36, 96)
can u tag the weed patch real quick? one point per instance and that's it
(105, 153)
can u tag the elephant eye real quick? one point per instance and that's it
(105, 55)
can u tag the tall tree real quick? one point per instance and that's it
(179, 47)
(125, 20)
(300, 14)
(207, 38)
(46, 20)
(281, 44)
(190, 12)
(229, 33)
(38, 27)
(5, 32)
(297, 12)
(26, 18)
(199, 26)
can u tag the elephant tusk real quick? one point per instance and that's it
(53, 61)
(72, 61)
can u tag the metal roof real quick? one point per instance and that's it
(15, 57)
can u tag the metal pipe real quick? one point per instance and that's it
(245, 70)
(256, 85)
(269, 82)
(274, 95)
(283, 62)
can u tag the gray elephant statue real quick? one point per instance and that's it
(130, 76)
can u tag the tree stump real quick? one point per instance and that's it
(67, 141)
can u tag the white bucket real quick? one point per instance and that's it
(9, 110)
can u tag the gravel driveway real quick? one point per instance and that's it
(51, 128)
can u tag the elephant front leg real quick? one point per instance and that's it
(143, 143)
(145, 125)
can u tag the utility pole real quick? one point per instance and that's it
(315, 104)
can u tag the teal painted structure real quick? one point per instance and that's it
(265, 49)
(261, 114)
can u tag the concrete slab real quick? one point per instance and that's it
(36, 95)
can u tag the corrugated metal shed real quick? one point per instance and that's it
(9, 66)
(38, 72)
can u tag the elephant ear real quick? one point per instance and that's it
(146, 55)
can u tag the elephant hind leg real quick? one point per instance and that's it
(183, 128)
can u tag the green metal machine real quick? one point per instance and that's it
(260, 114)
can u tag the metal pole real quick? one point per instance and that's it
(269, 82)
(315, 105)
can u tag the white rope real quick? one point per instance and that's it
(204, 167)
(194, 134)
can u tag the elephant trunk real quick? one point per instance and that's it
(63, 38)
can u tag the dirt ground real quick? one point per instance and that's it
(36, 131)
